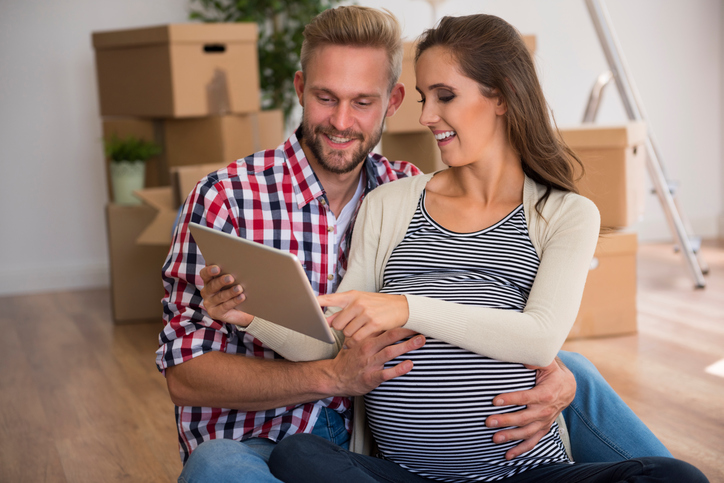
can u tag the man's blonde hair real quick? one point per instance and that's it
(359, 27)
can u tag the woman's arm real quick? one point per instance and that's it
(535, 335)
(531, 337)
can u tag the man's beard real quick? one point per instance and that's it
(338, 161)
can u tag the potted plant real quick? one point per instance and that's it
(281, 23)
(128, 158)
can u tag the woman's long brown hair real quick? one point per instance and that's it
(492, 52)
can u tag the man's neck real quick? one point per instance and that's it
(340, 188)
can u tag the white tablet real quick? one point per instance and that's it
(274, 282)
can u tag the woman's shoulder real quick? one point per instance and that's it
(401, 189)
(558, 201)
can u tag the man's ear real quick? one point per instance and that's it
(396, 97)
(299, 86)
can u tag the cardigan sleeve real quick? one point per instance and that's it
(535, 335)
(292, 345)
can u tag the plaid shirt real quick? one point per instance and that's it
(271, 197)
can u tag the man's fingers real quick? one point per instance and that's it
(519, 433)
(394, 351)
(402, 368)
(525, 446)
(519, 398)
(209, 272)
(223, 297)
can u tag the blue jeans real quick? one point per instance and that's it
(601, 426)
(306, 458)
(227, 460)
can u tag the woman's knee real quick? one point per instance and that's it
(300, 454)
(671, 469)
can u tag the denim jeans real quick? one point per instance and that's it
(227, 460)
(601, 426)
(306, 458)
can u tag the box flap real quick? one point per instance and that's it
(158, 232)
(177, 33)
(604, 136)
(616, 243)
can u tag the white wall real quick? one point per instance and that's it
(52, 189)
(52, 186)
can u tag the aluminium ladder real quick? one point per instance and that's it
(678, 224)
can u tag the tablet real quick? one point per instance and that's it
(274, 282)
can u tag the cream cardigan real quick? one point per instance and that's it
(564, 238)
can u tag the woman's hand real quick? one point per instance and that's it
(220, 297)
(365, 313)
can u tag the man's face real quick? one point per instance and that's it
(345, 101)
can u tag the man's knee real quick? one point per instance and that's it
(581, 368)
(221, 457)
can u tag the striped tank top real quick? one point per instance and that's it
(431, 421)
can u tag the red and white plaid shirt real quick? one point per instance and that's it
(271, 197)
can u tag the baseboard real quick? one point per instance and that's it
(54, 279)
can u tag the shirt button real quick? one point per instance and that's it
(330, 277)
(323, 202)
(330, 228)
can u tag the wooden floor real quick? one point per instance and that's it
(81, 400)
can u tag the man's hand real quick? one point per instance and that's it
(220, 297)
(365, 314)
(554, 391)
(359, 366)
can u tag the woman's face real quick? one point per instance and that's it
(468, 126)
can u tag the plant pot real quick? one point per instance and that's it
(127, 177)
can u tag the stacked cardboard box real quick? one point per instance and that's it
(194, 89)
(404, 137)
(613, 178)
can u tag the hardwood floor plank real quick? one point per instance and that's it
(27, 453)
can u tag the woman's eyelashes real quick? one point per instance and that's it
(443, 96)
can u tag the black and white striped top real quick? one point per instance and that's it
(432, 420)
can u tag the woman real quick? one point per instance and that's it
(488, 259)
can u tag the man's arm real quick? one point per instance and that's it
(554, 391)
(221, 380)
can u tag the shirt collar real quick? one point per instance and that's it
(305, 183)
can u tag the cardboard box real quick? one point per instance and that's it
(419, 148)
(184, 179)
(407, 117)
(608, 306)
(614, 164)
(219, 140)
(136, 285)
(178, 70)
(156, 171)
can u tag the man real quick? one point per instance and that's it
(234, 396)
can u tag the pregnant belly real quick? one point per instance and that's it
(432, 419)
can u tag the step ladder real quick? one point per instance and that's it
(665, 190)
